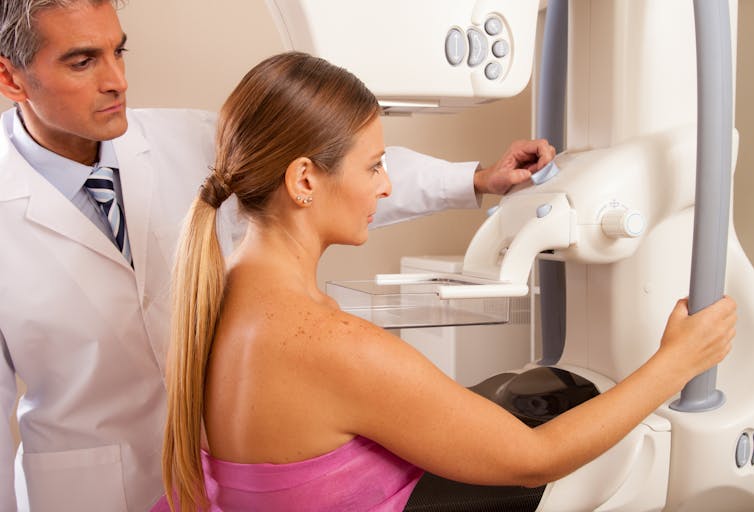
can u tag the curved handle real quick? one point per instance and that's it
(713, 181)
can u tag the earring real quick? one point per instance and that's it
(298, 198)
(308, 200)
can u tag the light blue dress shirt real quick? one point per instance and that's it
(68, 176)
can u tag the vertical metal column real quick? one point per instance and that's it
(550, 125)
(713, 180)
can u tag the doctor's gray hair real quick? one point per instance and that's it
(19, 40)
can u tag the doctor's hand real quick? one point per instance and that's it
(523, 158)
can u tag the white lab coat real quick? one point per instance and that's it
(88, 335)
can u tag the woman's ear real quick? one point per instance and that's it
(10, 83)
(299, 181)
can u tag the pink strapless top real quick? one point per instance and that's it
(359, 476)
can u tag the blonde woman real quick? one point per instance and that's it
(306, 407)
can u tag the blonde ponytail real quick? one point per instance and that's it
(198, 281)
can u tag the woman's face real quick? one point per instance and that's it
(351, 199)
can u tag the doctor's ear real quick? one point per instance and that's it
(300, 178)
(10, 84)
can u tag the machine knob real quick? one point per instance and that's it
(622, 223)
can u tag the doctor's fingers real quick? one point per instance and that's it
(532, 154)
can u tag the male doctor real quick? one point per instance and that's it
(91, 200)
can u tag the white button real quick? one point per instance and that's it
(622, 223)
(493, 70)
(500, 48)
(477, 47)
(742, 450)
(455, 46)
(634, 223)
(543, 210)
(493, 26)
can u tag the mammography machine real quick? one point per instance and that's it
(635, 208)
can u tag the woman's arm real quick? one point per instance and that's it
(390, 393)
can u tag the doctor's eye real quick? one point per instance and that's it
(82, 63)
(120, 51)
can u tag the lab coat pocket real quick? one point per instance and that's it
(81, 480)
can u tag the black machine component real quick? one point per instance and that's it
(535, 397)
(538, 395)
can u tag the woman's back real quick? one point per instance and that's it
(268, 396)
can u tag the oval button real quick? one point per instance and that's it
(477, 47)
(742, 450)
(455, 46)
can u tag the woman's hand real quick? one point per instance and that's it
(695, 343)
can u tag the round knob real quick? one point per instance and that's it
(622, 223)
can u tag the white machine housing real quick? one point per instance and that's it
(461, 53)
(631, 148)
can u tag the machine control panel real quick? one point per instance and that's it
(457, 54)
(488, 45)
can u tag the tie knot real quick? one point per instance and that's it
(100, 184)
(102, 172)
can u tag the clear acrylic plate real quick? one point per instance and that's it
(416, 304)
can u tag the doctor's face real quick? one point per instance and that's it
(359, 183)
(73, 92)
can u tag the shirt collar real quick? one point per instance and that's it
(64, 174)
(107, 156)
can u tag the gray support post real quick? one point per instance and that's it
(553, 72)
(713, 181)
(551, 99)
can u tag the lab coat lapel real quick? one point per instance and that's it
(136, 179)
(48, 207)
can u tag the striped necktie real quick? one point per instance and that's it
(101, 187)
